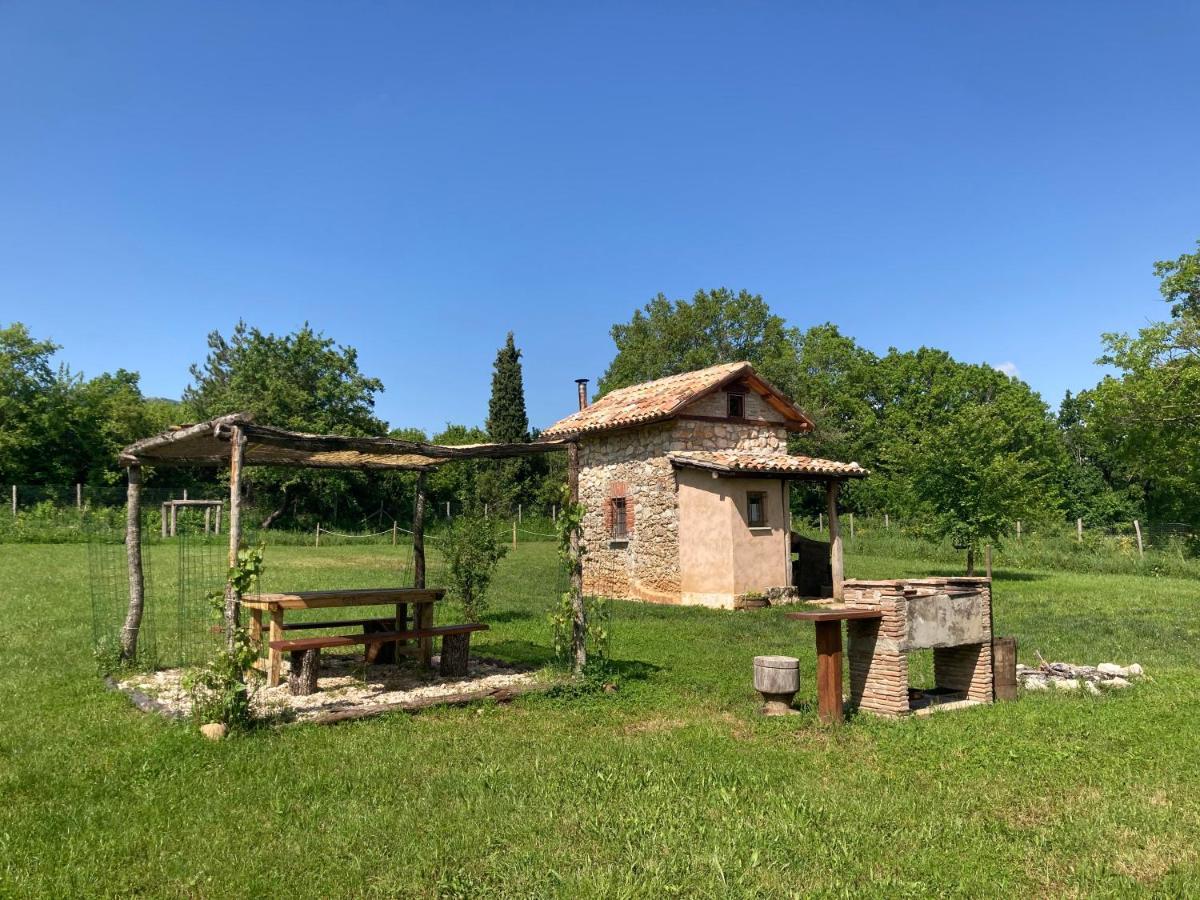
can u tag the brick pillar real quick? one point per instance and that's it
(967, 669)
(878, 667)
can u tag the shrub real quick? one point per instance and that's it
(473, 550)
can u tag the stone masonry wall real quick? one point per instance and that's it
(632, 463)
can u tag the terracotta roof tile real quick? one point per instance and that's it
(758, 462)
(653, 401)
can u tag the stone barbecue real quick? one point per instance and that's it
(950, 616)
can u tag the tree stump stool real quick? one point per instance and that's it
(455, 650)
(777, 679)
(302, 679)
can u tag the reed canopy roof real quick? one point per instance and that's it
(208, 444)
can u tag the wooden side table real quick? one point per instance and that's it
(828, 624)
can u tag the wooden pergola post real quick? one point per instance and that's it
(419, 533)
(832, 489)
(422, 613)
(233, 599)
(133, 551)
(579, 624)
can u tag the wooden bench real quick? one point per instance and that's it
(306, 652)
(420, 600)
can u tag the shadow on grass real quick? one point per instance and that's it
(524, 652)
(633, 669)
(510, 615)
(997, 574)
(531, 654)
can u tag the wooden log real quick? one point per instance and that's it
(133, 552)
(836, 562)
(302, 679)
(456, 650)
(419, 533)
(1004, 668)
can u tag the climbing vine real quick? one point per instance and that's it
(218, 690)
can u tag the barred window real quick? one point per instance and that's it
(619, 519)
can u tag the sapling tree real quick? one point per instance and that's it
(976, 475)
(473, 550)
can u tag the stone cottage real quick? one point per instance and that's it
(686, 480)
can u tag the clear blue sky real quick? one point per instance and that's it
(992, 179)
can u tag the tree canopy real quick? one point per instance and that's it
(667, 337)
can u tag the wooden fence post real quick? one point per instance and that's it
(1137, 527)
(78, 496)
(514, 524)
(393, 532)
(987, 559)
(1018, 529)
(1079, 530)
(14, 500)
(447, 510)
(318, 541)
(851, 515)
(886, 523)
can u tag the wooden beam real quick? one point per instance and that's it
(133, 551)
(835, 540)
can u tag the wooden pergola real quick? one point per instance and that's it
(238, 441)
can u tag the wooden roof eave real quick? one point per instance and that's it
(718, 470)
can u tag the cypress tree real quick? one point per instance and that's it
(507, 421)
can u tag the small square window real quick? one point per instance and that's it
(619, 519)
(756, 509)
(737, 406)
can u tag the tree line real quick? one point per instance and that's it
(961, 448)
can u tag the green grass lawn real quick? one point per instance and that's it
(672, 785)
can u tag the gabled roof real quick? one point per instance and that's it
(654, 401)
(208, 444)
(754, 462)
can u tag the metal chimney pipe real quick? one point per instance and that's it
(582, 383)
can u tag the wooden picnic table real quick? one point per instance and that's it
(276, 605)
(828, 624)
